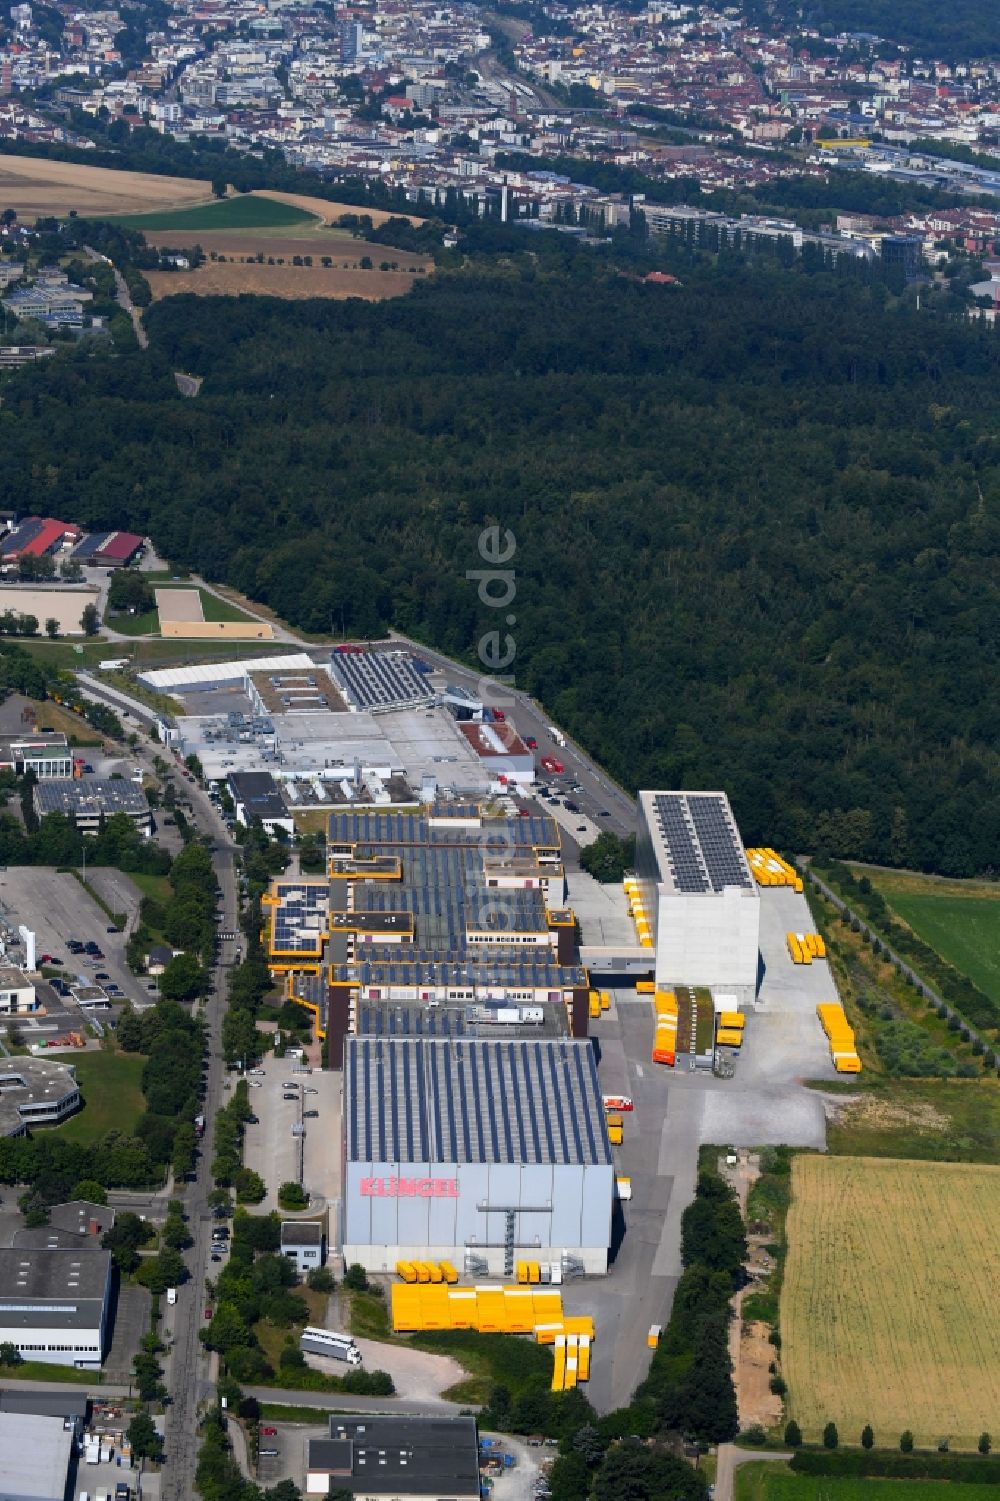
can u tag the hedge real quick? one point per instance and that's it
(894, 1465)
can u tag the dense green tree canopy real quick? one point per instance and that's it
(755, 516)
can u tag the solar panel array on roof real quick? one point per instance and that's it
(685, 862)
(701, 840)
(410, 1099)
(380, 680)
(376, 831)
(299, 918)
(721, 849)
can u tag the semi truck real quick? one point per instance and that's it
(557, 735)
(329, 1342)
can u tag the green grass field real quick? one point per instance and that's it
(112, 1095)
(246, 211)
(40, 1370)
(771, 1480)
(945, 1120)
(960, 919)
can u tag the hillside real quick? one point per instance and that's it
(755, 517)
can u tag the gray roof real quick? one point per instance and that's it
(91, 796)
(301, 1233)
(423, 1456)
(52, 1404)
(53, 1289)
(258, 793)
(428, 1099)
(31, 1081)
(34, 1457)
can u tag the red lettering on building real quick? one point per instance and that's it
(399, 1188)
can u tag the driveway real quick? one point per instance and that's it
(729, 1461)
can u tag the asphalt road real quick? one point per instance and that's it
(598, 794)
(189, 1369)
(341, 1402)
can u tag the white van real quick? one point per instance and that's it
(171, 1296)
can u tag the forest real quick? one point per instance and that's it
(965, 29)
(755, 516)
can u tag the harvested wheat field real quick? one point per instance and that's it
(246, 244)
(889, 1309)
(34, 187)
(228, 279)
(330, 212)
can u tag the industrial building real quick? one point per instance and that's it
(36, 1452)
(36, 537)
(475, 1151)
(448, 905)
(90, 801)
(256, 797)
(17, 994)
(698, 892)
(368, 728)
(54, 1304)
(47, 755)
(35, 1091)
(391, 1458)
(109, 549)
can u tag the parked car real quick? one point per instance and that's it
(311, 1115)
(266, 1431)
(258, 1073)
(255, 1084)
(102, 975)
(289, 1096)
(531, 742)
(310, 1089)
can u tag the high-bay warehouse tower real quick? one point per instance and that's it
(475, 1151)
(698, 891)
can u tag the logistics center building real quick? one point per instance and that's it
(475, 1151)
(697, 888)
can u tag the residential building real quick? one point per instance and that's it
(303, 1242)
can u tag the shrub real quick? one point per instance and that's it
(831, 1438)
(793, 1435)
(778, 1386)
(356, 1278)
(906, 1441)
(293, 1196)
(984, 1444)
(756, 1434)
(867, 1437)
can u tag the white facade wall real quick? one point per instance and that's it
(567, 1207)
(80, 1347)
(708, 938)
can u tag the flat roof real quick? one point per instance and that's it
(454, 1019)
(697, 844)
(491, 740)
(12, 978)
(423, 1099)
(417, 1456)
(53, 1289)
(31, 1081)
(258, 792)
(35, 1453)
(91, 796)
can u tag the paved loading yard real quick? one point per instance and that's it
(273, 1151)
(675, 1111)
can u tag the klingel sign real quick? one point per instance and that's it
(409, 1188)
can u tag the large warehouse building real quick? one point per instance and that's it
(475, 1151)
(698, 892)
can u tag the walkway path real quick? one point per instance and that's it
(730, 1459)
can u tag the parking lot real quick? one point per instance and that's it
(274, 1152)
(56, 907)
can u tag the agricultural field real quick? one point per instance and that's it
(889, 1313)
(34, 187)
(329, 213)
(768, 1481)
(229, 278)
(245, 211)
(960, 919)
